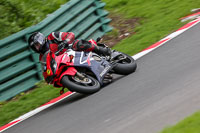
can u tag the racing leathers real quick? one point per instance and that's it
(55, 41)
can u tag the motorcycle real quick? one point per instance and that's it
(85, 72)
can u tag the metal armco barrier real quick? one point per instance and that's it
(20, 67)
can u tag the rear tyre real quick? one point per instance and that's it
(88, 85)
(126, 66)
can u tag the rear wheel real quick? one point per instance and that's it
(126, 65)
(86, 85)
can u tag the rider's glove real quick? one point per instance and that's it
(62, 45)
(65, 43)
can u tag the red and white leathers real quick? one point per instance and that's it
(55, 38)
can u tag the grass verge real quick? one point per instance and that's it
(156, 20)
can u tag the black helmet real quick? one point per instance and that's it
(36, 41)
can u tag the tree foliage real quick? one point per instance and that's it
(17, 15)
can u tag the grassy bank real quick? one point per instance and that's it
(156, 19)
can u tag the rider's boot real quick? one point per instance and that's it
(102, 50)
(108, 76)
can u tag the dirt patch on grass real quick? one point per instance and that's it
(122, 28)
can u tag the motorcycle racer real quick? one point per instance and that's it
(57, 40)
(78, 71)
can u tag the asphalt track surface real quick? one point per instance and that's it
(164, 89)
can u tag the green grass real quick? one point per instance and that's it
(190, 124)
(158, 18)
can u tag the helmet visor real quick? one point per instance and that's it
(37, 46)
(39, 38)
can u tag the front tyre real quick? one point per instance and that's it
(126, 65)
(88, 85)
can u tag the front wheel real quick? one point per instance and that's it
(126, 65)
(86, 85)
